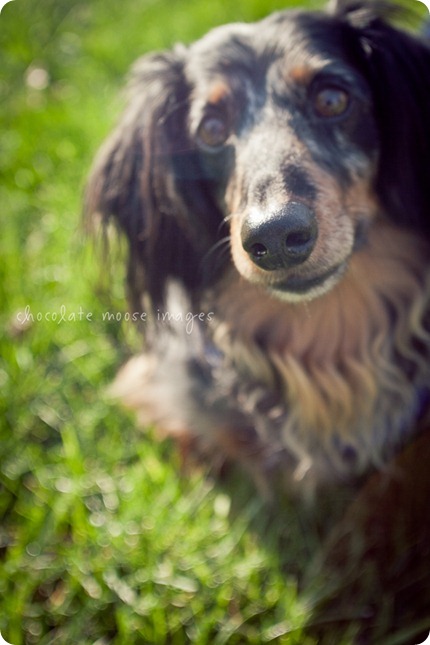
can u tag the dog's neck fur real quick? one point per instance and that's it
(354, 359)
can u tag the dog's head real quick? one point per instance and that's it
(283, 141)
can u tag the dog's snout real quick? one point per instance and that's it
(281, 240)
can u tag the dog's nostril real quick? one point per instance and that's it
(297, 239)
(258, 250)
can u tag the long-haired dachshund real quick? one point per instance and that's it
(273, 182)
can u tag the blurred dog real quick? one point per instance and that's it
(273, 181)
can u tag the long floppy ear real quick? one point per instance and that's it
(142, 176)
(397, 65)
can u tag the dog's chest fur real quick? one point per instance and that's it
(317, 391)
(350, 369)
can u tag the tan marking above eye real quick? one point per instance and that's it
(301, 74)
(218, 92)
(330, 102)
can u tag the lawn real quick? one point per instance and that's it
(102, 539)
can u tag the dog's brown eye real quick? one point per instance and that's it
(331, 101)
(213, 131)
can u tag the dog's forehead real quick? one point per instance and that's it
(231, 42)
(226, 48)
(291, 38)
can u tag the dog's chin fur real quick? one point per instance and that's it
(307, 291)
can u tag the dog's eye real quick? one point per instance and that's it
(331, 101)
(213, 131)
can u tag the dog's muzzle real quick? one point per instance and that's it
(282, 239)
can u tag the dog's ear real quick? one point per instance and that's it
(138, 180)
(397, 66)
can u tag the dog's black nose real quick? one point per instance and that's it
(281, 240)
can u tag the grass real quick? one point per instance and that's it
(101, 540)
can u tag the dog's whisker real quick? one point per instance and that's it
(218, 250)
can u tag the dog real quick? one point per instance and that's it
(273, 183)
